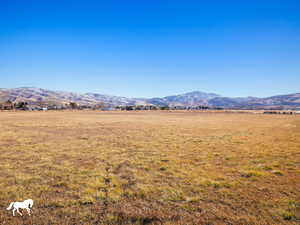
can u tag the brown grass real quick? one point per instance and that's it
(150, 167)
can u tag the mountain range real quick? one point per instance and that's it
(33, 95)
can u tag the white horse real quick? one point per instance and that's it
(27, 204)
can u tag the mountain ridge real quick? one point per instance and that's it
(33, 95)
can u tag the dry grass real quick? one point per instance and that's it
(151, 167)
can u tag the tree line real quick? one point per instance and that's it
(36, 106)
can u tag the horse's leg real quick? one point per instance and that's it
(14, 211)
(19, 212)
(28, 211)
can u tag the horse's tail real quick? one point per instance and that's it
(10, 206)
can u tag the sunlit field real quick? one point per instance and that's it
(89, 167)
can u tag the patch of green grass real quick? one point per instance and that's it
(253, 173)
(287, 215)
(277, 172)
(217, 184)
(268, 168)
(162, 168)
(174, 195)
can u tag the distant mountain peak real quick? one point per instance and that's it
(198, 92)
(28, 87)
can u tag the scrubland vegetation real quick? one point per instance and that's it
(150, 167)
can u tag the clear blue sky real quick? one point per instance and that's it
(152, 48)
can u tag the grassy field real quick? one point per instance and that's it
(184, 168)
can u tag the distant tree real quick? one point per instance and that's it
(73, 105)
(99, 106)
(164, 108)
(139, 107)
(152, 107)
(21, 105)
(129, 108)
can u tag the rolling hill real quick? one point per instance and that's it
(33, 95)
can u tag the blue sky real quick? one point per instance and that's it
(152, 48)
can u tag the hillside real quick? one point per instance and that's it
(33, 95)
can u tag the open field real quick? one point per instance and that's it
(88, 167)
